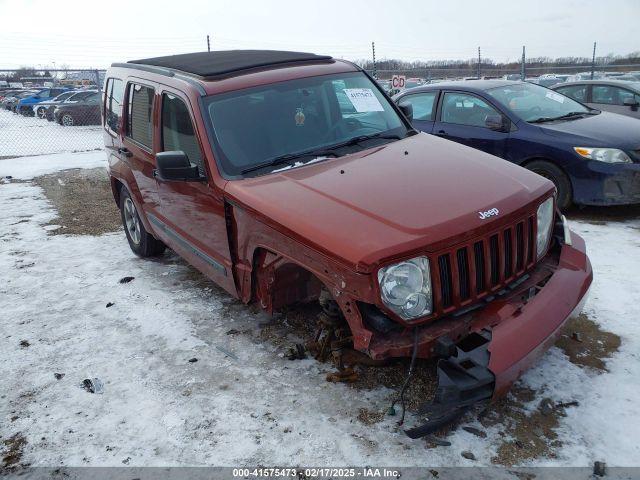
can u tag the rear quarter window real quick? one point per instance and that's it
(139, 109)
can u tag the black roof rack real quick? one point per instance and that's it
(226, 62)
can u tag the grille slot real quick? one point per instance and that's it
(463, 273)
(508, 254)
(494, 260)
(530, 240)
(478, 250)
(519, 246)
(446, 284)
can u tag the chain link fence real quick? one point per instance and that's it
(58, 110)
(49, 111)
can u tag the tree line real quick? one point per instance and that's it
(488, 66)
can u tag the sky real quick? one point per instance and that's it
(96, 34)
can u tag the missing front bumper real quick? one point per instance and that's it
(464, 380)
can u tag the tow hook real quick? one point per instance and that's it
(463, 381)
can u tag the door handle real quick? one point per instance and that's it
(125, 151)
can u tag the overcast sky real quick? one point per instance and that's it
(94, 34)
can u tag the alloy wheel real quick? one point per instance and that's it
(131, 220)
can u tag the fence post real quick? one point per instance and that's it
(522, 68)
(593, 61)
(373, 50)
(479, 63)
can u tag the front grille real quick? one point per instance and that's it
(482, 266)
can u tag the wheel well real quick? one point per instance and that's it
(116, 188)
(278, 281)
(548, 160)
(543, 159)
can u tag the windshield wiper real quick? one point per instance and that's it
(364, 138)
(287, 157)
(325, 152)
(566, 115)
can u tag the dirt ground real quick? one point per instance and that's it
(83, 200)
(85, 206)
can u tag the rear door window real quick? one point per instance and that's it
(178, 132)
(465, 109)
(139, 111)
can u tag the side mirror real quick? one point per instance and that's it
(407, 110)
(631, 102)
(497, 123)
(175, 166)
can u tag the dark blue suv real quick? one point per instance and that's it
(592, 157)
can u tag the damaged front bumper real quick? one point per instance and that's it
(484, 351)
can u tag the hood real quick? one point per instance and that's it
(384, 202)
(603, 130)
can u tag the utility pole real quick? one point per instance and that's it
(479, 60)
(522, 71)
(593, 61)
(373, 50)
(208, 44)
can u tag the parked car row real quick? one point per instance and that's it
(592, 156)
(546, 80)
(611, 95)
(66, 106)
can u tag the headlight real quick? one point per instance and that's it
(545, 219)
(405, 288)
(608, 155)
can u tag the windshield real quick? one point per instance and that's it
(63, 96)
(533, 102)
(257, 125)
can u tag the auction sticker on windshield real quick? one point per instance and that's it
(555, 96)
(363, 100)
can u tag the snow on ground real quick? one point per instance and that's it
(606, 423)
(252, 406)
(20, 135)
(29, 167)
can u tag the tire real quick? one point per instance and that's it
(42, 112)
(551, 172)
(67, 120)
(141, 242)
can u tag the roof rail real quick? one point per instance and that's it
(167, 72)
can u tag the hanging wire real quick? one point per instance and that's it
(405, 385)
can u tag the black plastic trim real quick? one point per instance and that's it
(167, 72)
(186, 244)
(464, 380)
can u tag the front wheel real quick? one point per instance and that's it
(67, 120)
(141, 242)
(551, 172)
(42, 112)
